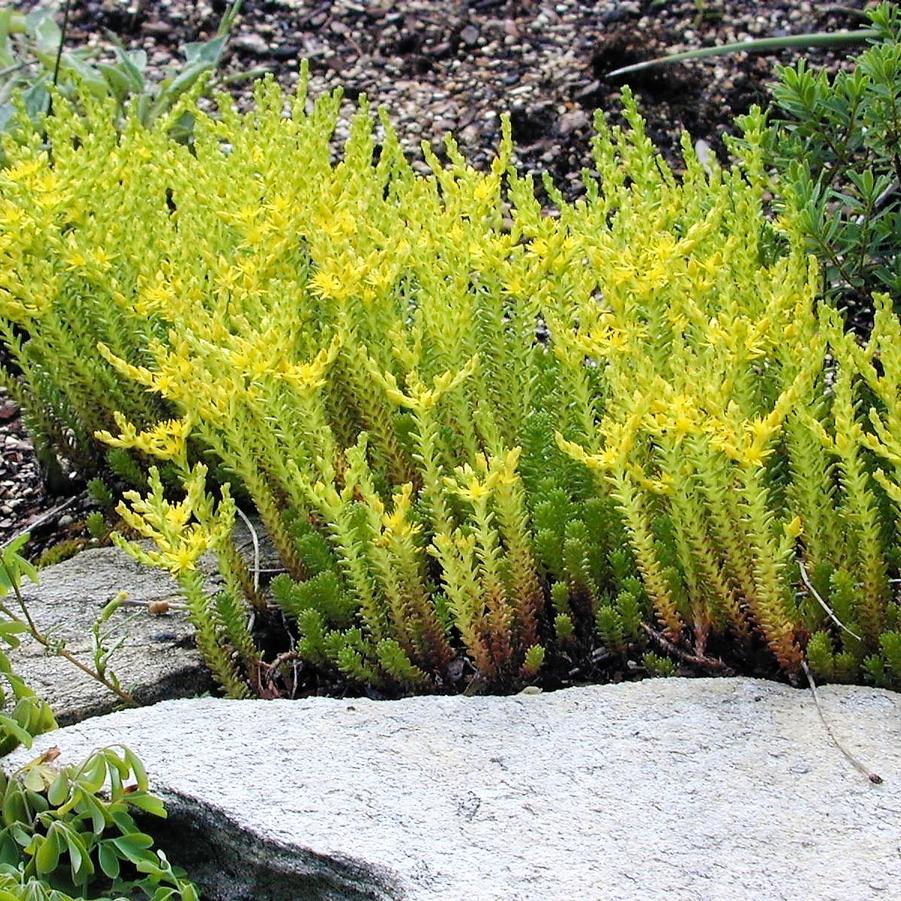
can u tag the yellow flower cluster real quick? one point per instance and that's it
(182, 532)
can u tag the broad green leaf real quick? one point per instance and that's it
(20, 689)
(6, 55)
(7, 122)
(12, 561)
(92, 79)
(47, 857)
(115, 786)
(34, 780)
(37, 801)
(120, 85)
(59, 790)
(123, 820)
(108, 859)
(207, 52)
(132, 63)
(10, 726)
(79, 859)
(137, 767)
(138, 58)
(16, 544)
(94, 808)
(43, 719)
(11, 627)
(133, 846)
(21, 835)
(150, 865)
(14, 808)
(170, 91)
(183, 128)
(41, 26)
(147, 803)
(92, 774)
(37, 101)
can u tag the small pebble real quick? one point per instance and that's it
(251, 43)
(470, 35)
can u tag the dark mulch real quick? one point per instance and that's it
(452, 67)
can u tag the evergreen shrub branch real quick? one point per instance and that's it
(836, 144)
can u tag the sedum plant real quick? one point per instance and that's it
(482, 439)
(33, 64)
(835, 142)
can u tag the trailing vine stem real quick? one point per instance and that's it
(54, 648)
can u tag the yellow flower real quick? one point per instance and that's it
(167, 440)
(504, 468)
(793, 529)
(398, 522)
(754, 455)
(468, 486)
(74, 258)
(127, 433)
(486, 189)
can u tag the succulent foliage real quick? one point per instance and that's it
(477, 434)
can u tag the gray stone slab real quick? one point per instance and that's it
(672, 789)
(157, 661)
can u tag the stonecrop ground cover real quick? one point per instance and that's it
(482, 437)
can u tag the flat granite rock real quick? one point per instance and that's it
(157, 661)
(668, 788)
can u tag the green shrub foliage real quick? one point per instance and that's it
(34, 58)
(69, 832)
(837, 143)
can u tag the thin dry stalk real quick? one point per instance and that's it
(875, 778)
(710, 664)
(805, 578)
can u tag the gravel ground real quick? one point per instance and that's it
(443, 67)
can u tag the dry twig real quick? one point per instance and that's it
(805, 578)
(707, 663)
(873, 777)
(256, 547)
